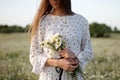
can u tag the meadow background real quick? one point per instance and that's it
(15, 65)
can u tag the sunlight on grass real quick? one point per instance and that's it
(15, 65)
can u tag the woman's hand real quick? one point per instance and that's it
(68, 64)
(66, 53)
(70, 61)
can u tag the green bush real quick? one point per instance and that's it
(99, 30)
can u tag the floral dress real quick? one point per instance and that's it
(75, 30)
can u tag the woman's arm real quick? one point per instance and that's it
(37, 55)
(65, 64)
(52, 62)
(86, 47)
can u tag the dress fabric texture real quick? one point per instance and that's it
(74, 29)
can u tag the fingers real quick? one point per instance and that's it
(73, 63)
(67, 54)
(72, 68)
(76, 66)
(77, 60)
(68, 65)
(63, 54)
(71, 60)
(62, 51)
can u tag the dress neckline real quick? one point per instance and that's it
(61, 16)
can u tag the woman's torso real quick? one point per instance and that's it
(71, 28)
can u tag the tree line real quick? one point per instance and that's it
(96, 29)
(11, 29)
(101, 30)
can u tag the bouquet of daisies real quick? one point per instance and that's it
(55, 44)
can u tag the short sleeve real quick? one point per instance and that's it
(37, 57)
(86, 48)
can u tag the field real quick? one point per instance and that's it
(15, 65)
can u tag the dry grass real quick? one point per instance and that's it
(15, 65)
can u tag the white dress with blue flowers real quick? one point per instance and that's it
(75, 30)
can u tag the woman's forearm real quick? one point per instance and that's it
(52, 62)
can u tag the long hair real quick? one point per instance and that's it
(44, 9)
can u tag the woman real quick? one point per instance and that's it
(56, 16)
